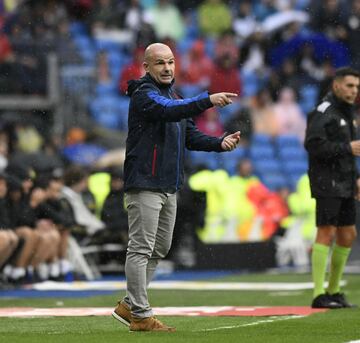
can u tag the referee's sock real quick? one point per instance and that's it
(319, 259)
(338, 261)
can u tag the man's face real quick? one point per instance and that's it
(161, 65)
(3, 188)
(54, 189)
(347, 88)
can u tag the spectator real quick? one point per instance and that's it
(75, 179)
(226, 46)
(244, 23)
(288, 115)
(132, 71)
(64, 219)
(196, 66)
(241, 121)
(263, 114)
(8, 239)
(132, 15)
(214, 18)
(329, 17)
(104, 16)
(225, 76)
(166, 20)
(64, 46)
(113, 213)
(353, 33)
(210, 124)
(103, 69)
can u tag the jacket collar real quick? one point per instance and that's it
(343, 106)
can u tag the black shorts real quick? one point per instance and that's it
(335, 211)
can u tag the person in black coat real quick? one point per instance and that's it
(334, 180)
(113, 212)
(160, 128)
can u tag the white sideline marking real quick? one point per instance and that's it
(183, 285)
(271, 320)
(357, 341)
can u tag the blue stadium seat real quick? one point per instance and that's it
(308, 97)
(295, 167)
(231, 159)
(260, 151)
(287, 141)
(83, 43)
(293, 180)
(188, 90)
(110, 111)
(106, 89)
(261, 139)
(250, 82)
(84, 153)
(287, 153)
(271, 166)
(78, 28)
(108, 45)
(228, 111)
(211, 160)
(274, 181)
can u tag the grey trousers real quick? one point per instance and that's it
(151, 224)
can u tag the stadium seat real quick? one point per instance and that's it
(83, 42)
(287, 141)
(211, 160)
(106, 89)
(287, 153)
(78, 28)
(295, 167)
(110, 111)
(231, 159)
(108, 45)
(259, 151)
(271, 166)
(308, 97)
(250, 83)
(228, 111)
(273, 181)
(83, 154)
(188, 90)
(261, 139)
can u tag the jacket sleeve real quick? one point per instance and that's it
(196, 140)
(317, 142)
(153, 106)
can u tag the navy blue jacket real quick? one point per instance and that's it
(160, 127)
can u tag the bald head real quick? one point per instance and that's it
(159, 62)
(155, 50)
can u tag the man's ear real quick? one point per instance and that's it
(335, 85)
(146, 66)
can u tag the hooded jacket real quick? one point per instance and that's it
(160, 127)
(332, 168)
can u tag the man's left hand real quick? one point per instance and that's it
(231, 141)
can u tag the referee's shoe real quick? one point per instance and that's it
(340, 298)
(325, 301)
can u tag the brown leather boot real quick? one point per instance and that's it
(122, 313)
(149, 324)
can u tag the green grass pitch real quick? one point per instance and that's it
(338, 326)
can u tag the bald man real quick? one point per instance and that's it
(160, 128)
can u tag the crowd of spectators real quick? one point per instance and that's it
(278, 55)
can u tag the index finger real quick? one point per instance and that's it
(231, 95)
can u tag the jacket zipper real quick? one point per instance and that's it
(153, 166)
